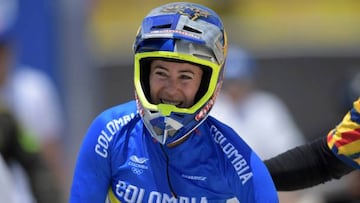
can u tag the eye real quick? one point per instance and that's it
(160, 72)
(186, 77)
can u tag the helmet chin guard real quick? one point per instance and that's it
(183, 32)
(162, 127)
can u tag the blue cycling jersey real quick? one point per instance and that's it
(120, 160)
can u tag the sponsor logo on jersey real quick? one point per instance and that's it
(138, 164)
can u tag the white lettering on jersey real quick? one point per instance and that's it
(237, 160)
(111, 128)
(132, 194)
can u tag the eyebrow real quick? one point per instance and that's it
(187, 71)
(159, 66)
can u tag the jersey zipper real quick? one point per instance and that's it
(167, 172)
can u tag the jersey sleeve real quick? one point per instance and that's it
(92, 174)
(256, 185)
(92, 170)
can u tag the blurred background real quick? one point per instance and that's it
(306, 53)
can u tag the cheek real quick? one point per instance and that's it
(153, 87)
(191, 90)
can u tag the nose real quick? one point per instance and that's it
(171, 87)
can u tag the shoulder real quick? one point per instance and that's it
(105, 129)
(224, 135)
(235, 154)
(121, 113)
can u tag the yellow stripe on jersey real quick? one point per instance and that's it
(112, 197)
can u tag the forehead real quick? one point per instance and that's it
(174, 65)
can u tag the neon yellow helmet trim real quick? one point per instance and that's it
(167, 109)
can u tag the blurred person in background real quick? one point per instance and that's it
(6, 184)
(33, 99)
(256, 115)
(24, 174)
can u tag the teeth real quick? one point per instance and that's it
(170, 102)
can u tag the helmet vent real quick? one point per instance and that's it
(164, 26)
(190, 29)
(202, 56)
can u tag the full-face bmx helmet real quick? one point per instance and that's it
(179, 32)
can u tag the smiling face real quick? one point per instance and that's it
(174, 83)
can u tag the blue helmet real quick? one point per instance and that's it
(186, 32)
(8, 17)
